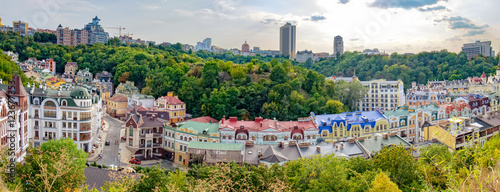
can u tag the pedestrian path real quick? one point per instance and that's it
(94, 156)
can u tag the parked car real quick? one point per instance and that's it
(123, 139)
(107, 143)
(135, 161)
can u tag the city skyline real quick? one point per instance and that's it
(391, 26)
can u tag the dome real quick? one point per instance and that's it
(80, 93)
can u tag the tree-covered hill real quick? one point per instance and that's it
(260, 87)
(421, 67)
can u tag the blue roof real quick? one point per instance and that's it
(363, 118)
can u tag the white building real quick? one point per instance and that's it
(386, 95)
(206, 45)
(56, 114)
(136, 99)
(474, 49)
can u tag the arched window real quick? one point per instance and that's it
(49, 104)
(131, 131)
(182, 138)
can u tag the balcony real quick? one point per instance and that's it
(142, 135)
(36, 137)
(156, 144)
(157, 135)
(142, 145)
(63, 118)
(86, 128)
(47, 138)
(85, 137)
(36, 127)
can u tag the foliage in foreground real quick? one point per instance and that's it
(392, 169)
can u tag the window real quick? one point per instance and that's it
(130, 142)
(131, 131)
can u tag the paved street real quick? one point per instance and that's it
(110, 153)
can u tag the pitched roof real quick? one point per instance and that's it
(205, 119)
(373, 145)
(172, 100)
(118, 98)
(216, 146)
(200, 127)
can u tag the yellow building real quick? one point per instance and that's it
(117, 106)
(173, 105)
(351, 124)
(177, 139)
(1, 24)
(460, 132)
(21, 27)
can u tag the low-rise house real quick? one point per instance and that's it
(457, 132)
(84, 76)
(271, 153)
(127, 89)
(267, 131)
(140, 99)
(143, 135)
(178, 138)
(336, 127)
(173, 105)
(406, 121)
(116, 106)
(377, 142)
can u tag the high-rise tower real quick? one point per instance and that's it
(288, 40)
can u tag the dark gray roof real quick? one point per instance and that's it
(349, 150)
(271, 153)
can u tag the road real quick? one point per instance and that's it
(110, 153)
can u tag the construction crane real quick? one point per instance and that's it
(119, 29)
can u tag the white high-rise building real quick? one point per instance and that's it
(206, 45)
(474, 49)
(288, 40)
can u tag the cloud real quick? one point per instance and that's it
(436, 8)
(459, 22)
(317, 17)
(344, 1)
(354, 39)
(473, 32)
(456, 38)
(151, 7)
(203, 13)
(405, 4)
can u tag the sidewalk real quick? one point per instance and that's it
(98, 150)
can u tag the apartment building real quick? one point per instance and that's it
(74, 113)
(16, 93)
(383, 95)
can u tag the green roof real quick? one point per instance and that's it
(200, 127)
(375, 145)
(80, 92)
(216, 146)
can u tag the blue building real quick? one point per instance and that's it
(333, 127)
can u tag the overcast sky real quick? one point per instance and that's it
(390, 25)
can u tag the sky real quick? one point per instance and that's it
(403, 26)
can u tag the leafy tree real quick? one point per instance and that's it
(334, 107)
(57, 165)
(383, 183)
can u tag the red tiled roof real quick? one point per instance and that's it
(260, 124)
(205, 119)
(172, 100)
